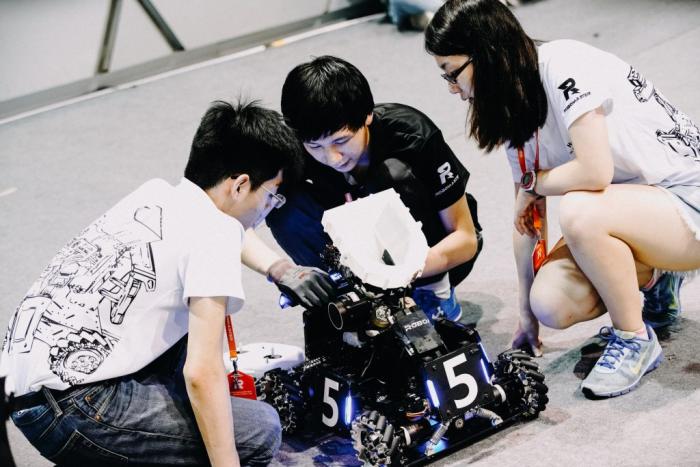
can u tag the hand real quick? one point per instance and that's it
(526, 337)
(310, 287)
(524, 204)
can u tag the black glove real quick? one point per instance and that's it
(309, 287)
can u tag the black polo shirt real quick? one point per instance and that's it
(401, 132)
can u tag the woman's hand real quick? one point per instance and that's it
(524, 203)
(527, 335)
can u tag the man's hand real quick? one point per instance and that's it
(307, 286)
(526, 337)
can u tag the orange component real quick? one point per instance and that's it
(231, 340)
(536, 219)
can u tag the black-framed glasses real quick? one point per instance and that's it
(452, 76)
(278, 199)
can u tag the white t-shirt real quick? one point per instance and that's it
(116, 296)
(652, 142)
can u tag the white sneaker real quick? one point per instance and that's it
(625, 360)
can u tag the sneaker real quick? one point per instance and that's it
(625, 360)
(662, 302)
(435, 307)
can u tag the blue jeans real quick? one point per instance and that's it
(145, 419)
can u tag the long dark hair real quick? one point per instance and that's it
(509, 99)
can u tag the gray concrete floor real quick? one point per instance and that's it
(63, 168)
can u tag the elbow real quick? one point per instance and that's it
(199, 376)
(467, 251)
(193, 377)
(463, 247)
(603, 181)
(471, 247)
(600, 177)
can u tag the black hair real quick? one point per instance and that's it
(325, 95)
(509, 99)
(242, 139)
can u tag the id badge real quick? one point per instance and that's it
(539, 255)
(242, 385)
(539, 252)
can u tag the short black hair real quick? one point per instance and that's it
(509, 99)
(233, 139)
(325, 95)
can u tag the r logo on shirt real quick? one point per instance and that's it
(445, 171)
(568, 87)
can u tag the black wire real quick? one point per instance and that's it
(369, 362)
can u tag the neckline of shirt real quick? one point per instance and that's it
(203, 201)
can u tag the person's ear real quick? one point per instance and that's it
(368, 120)
(240, 186)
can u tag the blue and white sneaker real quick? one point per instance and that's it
(625, 360)
(435, 307)
(662, 302)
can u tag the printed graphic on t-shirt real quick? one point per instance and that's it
(572, 94)
(684, 137)
(568, 87)
(445, 172)
(96, 276)
(570, 147)
(446, 175)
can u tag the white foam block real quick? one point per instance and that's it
(365, 229)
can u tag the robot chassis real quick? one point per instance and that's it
(405, 390)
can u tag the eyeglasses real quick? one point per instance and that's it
(278, 200)
(452, 77)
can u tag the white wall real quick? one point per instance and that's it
(47, 43)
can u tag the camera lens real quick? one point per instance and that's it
(336, 310)
(348, 310)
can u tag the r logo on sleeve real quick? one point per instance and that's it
(568, 87)
(445, 172)
(572, 94)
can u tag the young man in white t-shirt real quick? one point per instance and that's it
(114, 355)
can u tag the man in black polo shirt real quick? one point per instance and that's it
(357, 148)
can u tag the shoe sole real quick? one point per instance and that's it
(655, 364)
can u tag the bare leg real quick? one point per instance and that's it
(562, 295)
(610, 233)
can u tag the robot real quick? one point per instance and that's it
(404, 388)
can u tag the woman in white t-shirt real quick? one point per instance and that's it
(580, 123)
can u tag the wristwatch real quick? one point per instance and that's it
(527, 182)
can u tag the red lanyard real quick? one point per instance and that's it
(231, 341)
(239, 383)
(539, 253)
(521, 154)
